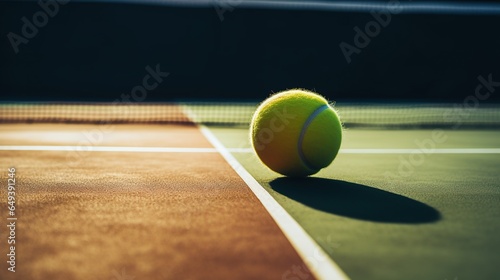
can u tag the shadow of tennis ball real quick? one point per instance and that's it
(355, 201)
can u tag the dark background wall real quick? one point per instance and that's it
(97, 51)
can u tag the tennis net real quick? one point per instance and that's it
(357, 114)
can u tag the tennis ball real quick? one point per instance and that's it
(296, 133)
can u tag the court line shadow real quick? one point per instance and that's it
(355, 200)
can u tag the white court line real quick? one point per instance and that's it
(430, 151)
(399, 151)
(319, 263)
(238, 150)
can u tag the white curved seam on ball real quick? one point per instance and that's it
(303, 134)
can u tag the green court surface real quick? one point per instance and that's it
(389, 209)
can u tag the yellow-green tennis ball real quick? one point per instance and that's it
(296, 133)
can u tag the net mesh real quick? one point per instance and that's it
(234, 113)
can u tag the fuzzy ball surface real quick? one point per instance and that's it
(296, 133)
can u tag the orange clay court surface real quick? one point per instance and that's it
(157, 215)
